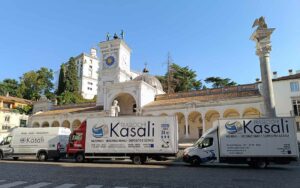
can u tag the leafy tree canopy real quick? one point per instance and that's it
(9, 86)
(218, 82)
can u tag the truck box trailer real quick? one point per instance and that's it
(256, 142)
(44, 143)
(136, 137)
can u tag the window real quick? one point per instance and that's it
(7, 119)
(6, 105)
(294, 86)
(91, 66)
(89, 88)
(23, 123)
(206, 142)
(90, 72)
(5, 127)
(296, 107)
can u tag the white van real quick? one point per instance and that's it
(44, 143)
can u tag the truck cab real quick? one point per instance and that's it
(5, 147)
(203, 150)
(76, 145)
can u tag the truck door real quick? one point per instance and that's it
(207, 149)
(6, 146)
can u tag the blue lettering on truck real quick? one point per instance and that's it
(124, 130)
(258, 127)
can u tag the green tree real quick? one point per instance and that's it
(9, 86)
(185, 78)
(181, 79)
(61, 81)
(218, 82)
(35, 83)
(71, 76)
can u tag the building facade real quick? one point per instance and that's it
(9, 116)
(142, 94)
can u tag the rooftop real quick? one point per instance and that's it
(15, 99)
(206, 95)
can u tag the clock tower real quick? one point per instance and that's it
(114, 64)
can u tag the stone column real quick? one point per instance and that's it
(203, 124)
(186, 118)
(262, 37)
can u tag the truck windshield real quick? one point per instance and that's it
(198, 142)
(76, 137)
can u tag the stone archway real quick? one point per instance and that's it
(210, 117)
(231, 113)
(195, 125)
(127, 104)
(66, 124)
(181, 124)
(251, 113)
(45, 124)
(55, 124)
(36, 125)
(76, 123)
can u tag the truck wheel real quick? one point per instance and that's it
(15, 158)
(143, 159)
(79, 158)
(195, 161)
(42, 156)
(1, 156)
(261, 164)
(137, 160)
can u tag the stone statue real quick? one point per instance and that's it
(115, 109)
(260, 22)
(107, 36)
(116, 36)
(122, 34)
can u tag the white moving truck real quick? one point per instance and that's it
(256, 142)
(44, 143)
(136, 137)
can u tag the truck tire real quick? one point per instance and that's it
(137, 160)
(15, 158)
(79, 158)
(195, 161)
(1, 155)
(42, 156)
(261, 164)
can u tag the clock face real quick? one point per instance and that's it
(109, 61)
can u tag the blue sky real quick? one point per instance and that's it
(211, 37)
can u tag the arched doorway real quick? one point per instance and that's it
(45, 124)
(55, 124)
(251, 113)
(195, 125)
(126, 103)
(210, 117)
(35, 124)
(76, 123)
(231, 113)
(66, 124)
(181, 124)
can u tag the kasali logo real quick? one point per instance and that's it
(99, 130)
(234, 127)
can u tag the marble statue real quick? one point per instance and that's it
(115, 109)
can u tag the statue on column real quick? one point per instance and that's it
(107, 36)
(115, 109)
